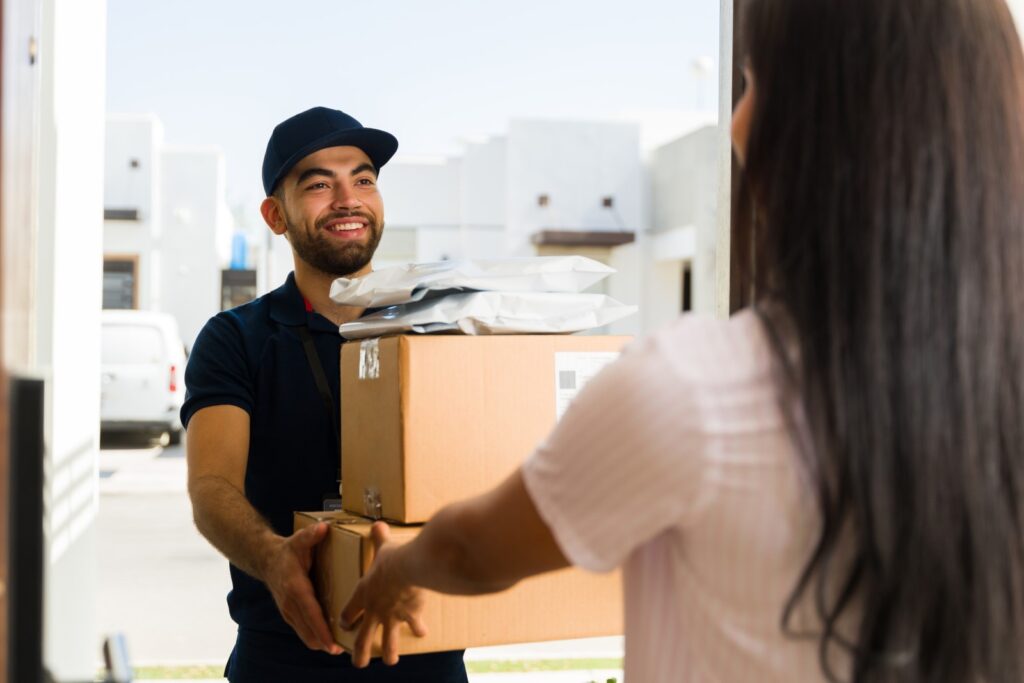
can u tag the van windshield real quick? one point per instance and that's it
(131, 345)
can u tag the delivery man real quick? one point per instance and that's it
(262, 407)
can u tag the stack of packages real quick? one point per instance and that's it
(475, 372)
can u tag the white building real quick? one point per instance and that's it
(167, 229)
(679, 264)
(52, 175)
(563, 187)
(547, 187)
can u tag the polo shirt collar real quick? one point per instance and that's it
(288, 307)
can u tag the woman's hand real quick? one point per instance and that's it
(383, 598)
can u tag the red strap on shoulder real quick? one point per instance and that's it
(309, 306)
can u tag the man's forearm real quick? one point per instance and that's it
(228, 520)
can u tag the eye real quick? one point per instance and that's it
(317, 186)
(365, 181)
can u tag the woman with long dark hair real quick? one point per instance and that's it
(827, 486)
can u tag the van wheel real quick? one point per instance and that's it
(175, 437)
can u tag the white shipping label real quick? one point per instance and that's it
(573, 369)
(369, 359)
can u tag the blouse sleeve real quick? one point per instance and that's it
(625, 463)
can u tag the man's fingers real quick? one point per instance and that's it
(314, 617)
(364, 643)
(311, 626)
(298, 623)
(310, 536)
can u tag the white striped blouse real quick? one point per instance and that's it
(676, 463)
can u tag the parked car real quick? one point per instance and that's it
(143, 363)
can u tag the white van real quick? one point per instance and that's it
(143, 366)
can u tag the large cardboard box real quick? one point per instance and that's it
(427, 420)
(569, 603)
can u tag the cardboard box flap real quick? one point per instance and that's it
(565, 604)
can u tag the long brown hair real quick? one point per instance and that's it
(885, 173)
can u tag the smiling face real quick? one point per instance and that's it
(330, 210)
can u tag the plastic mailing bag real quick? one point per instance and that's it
(415, 282)
(492, 313)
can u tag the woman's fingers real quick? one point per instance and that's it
(353, 608)
(364, 642)
(389, 644)
(416, 624)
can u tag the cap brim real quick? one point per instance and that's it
(379, 145)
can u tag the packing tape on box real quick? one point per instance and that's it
(372, 506)
(369, 359)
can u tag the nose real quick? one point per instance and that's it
(345, 198)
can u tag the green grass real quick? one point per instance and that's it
(185, 673)
(521, 666)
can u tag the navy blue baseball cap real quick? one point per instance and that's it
(315, 129)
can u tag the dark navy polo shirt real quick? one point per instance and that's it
(252, 357)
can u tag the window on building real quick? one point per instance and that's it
(120, 282)
(120, 214)
(237, 287)
(687, 293)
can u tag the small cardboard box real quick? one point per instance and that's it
(428, 420)
(569, 603)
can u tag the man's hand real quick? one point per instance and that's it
(218, 453)
(383, 599)
(286, 574)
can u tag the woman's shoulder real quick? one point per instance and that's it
(707, 349)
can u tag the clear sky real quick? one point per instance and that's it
(433, 72)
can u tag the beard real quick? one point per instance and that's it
(332, 256)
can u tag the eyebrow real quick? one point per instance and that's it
(310, 172)
(364, 167)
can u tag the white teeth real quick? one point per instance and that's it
(345, 226)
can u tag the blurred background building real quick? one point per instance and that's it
(544, 188)
(167, 230)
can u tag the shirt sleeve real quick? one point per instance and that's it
(624, 464)
(217, 372)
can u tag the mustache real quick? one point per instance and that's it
(337, 215)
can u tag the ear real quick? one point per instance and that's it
(273, 215)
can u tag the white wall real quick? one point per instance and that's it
(445, 208)
(626, 285)
(183, 236)
(280, 261)
(575, 164)
(139, 137)
(684, 205)
(73, 53)
(421, 209)
(196, 231)
(482, 197)
(1017, 7)
(421, 192)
